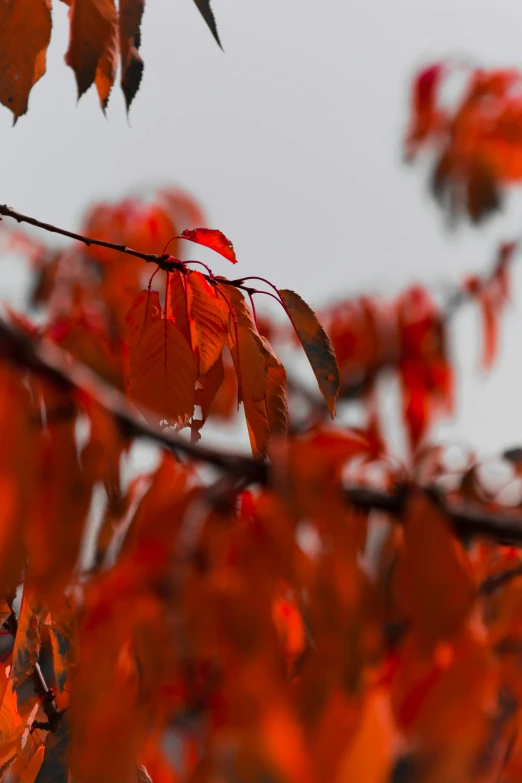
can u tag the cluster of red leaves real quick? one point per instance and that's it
(409, 336)
(100, 35)
(187, 348)
(477, 141)
(272, 634)
(224, 633)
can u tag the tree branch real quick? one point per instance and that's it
(48, 361)
(166, 262)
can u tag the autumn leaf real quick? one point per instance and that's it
(143, 312)
(433, 580)
(12, 728)
(249, 359)
(60, 503)
(207, 388)
(92, 50)
(25, 32)
(164, 375)
(316, 344)
(27, 642)
(61, 624)
(131, 12)
(209, 317)
(177, 304)
(276, 392)
(213, 239)
(206, 12)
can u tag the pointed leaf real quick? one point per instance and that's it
(25, 32)
(208, 387)
(131, 12)
(276, 392)
(178, 304)
(250, 364)
(26, 648)
(213, 239)
(61, 625)
(143, 312)
(206, 12)
(164, 375)
(92, 46)
(316, 344)
(209, 317)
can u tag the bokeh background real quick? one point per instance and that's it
(291, 140)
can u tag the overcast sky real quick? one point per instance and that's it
(291, 140)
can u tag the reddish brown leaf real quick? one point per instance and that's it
(164, 376)
(92, 50)
(213, 239)
(25, 32)
(131, 12)
(276, 392)
(27, 643)
(206, 12)
(316, 344)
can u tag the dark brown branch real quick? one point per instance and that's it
(49, 361)
(165, 261)
(467, 520)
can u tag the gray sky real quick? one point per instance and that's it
(291, 140)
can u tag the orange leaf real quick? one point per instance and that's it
(213, 239)
(433, 579)
(316, 344)
(177, 304)
(25, 32)
(209, 386)
(209, 317)
(249, 361)
(143, 312)
(164, 376)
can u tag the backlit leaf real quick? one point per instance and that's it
(164, 375)
(209, 317)
(25, 32)
(208, 387)
(316, 344)
(213, 239)
(143, 312)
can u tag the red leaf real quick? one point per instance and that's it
(213, 239)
